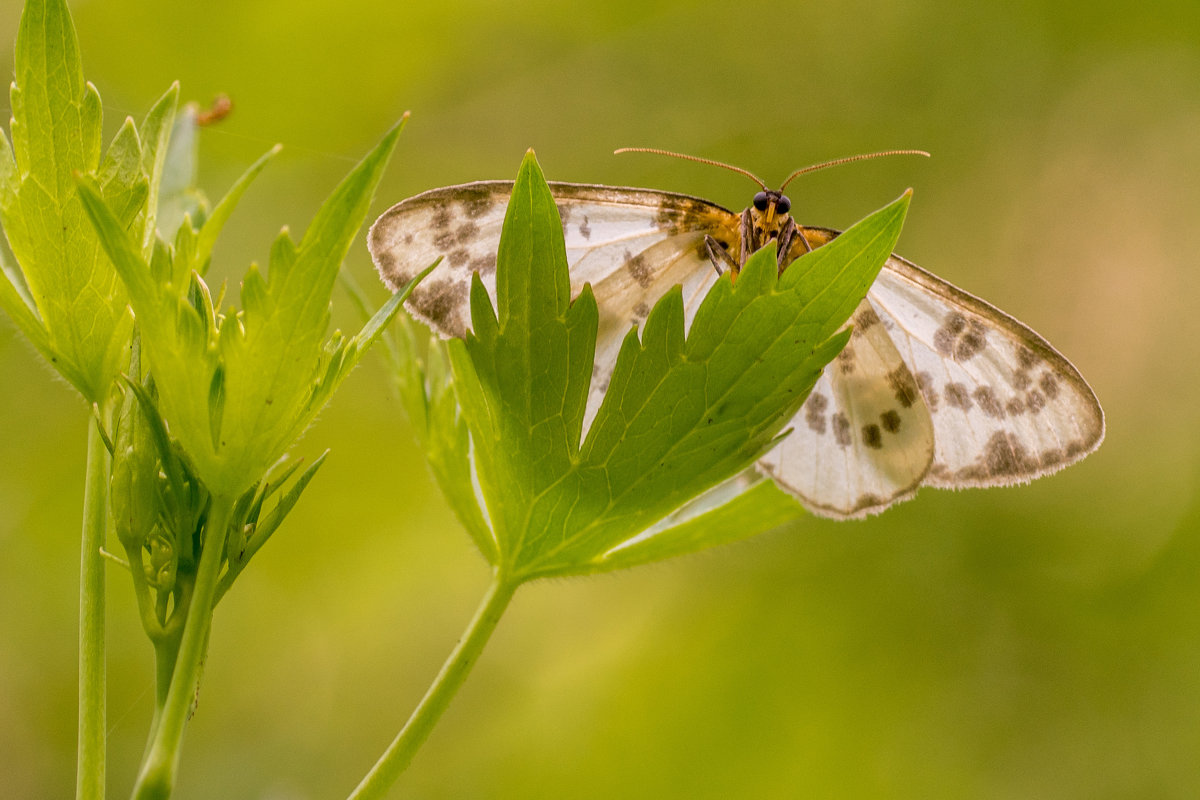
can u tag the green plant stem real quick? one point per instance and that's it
(165, 652)
(402, 749)
(90, 763)
(157, 776)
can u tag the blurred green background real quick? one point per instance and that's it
(1041, 641)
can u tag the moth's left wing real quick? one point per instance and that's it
(632, 245)
(461, 224)
(620, 240)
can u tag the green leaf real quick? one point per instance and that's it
(419, 366)
(133, 486)
(66, 297)
(271, 368)
(56, 133)
(745, 513)
(10, 177)
(682, 413)
(183, 501)
(262, 528)
(56, 125)
(530, 370)
(121, 180)
(14, 301)
(175, 337)
(240, 387)
(155, 133)
(429, 399)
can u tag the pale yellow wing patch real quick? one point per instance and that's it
(864, 439)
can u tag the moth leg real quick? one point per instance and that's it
(720, 256)
(788, 236)
(749, 241)
(808, 248)
(783, 244)
(792, 232)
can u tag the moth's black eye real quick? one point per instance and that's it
(783, 205)
(761, 200)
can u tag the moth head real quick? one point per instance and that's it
(770, 211)
(771, 207)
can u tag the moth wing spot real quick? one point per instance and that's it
(960, 339)
(845, 360)
(484, 264)
(928, 390)
(957, 396)
(904, 387)
(1049, 385)
(988, 403)
(1006, 456)
(869, 500)
(466, 232)
(640, 270)
(872, 437)
(479, 200)
(814, 413)
(841, 430)
(442, 301)
(941, 471)
(864, 320)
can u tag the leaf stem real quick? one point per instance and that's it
(91, 755)
(157, 776)
(400, 752)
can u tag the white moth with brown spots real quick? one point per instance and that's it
(936, 387)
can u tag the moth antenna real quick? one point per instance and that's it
(686, 157)
(848, 159)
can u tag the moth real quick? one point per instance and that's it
(936, 387)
